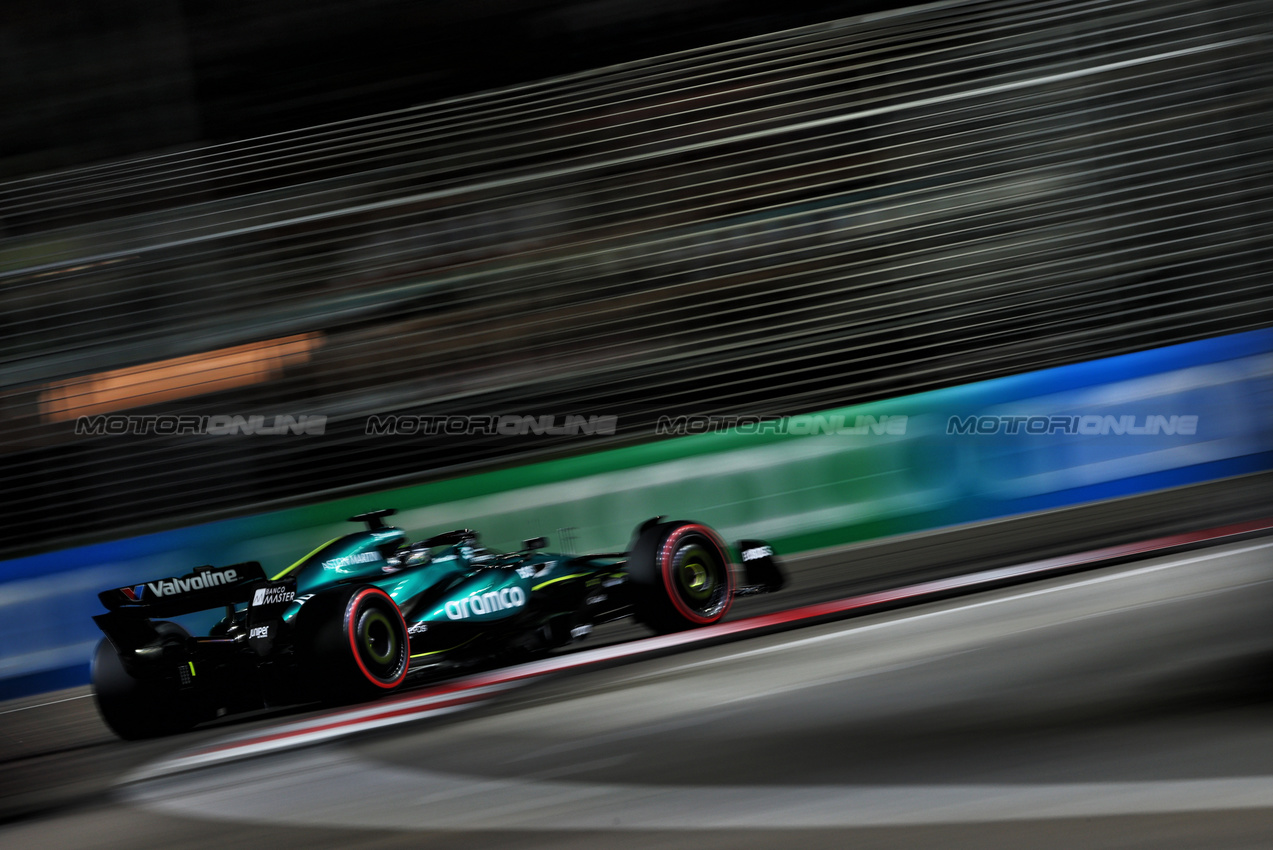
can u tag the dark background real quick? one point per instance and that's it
(87, 80)
(502, 255)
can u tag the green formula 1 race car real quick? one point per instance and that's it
(361, 614)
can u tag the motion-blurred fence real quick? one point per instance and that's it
(821, 217)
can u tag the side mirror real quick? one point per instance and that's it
(535, 543)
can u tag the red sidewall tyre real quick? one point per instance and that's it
(680, 575)
(376, 629)
(351, 644)
(672, 571)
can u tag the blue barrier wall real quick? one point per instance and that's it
(1085, 432)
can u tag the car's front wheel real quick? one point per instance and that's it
(680, 575)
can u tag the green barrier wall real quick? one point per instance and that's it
(832, 478)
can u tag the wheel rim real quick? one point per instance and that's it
(700, 578)
(694, 573)
(377, 638)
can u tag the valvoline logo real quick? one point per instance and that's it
(204, 580)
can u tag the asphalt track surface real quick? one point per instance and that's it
(1130, 706)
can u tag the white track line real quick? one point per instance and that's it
(477, 689)
(314, 791)
(853, 630)
(43, 704)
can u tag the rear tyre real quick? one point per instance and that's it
(133, 707)
(680, 576)
(352, 644)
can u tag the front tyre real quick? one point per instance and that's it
(134, 707)
(352, 644)
(680, 575)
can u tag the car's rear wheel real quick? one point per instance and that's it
(680, 575)
(352, 644)
(136, 707)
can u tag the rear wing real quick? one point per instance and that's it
(204, 587)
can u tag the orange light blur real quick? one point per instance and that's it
(180, 377)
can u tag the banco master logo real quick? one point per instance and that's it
(272, 596)
(199, 581)
(486, 603)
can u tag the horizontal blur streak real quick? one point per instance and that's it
(180, 377)
(1138, 690)
(812, 219)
